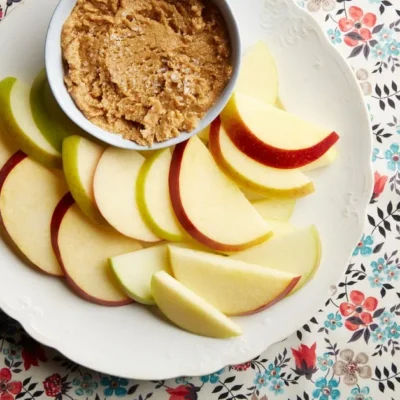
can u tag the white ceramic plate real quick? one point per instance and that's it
(130, 341)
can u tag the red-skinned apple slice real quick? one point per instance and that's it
(208, 205)
(274, 137)
(252, 175)
(82, 248)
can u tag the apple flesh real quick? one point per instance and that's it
(280, 227)
(327, 159)
(29, 193)
(188, 310)
(80, 158)
(250, 174)
(134, 271)
(278, 209)
(231, 286)
(83, 248)
(153, 199)
(297, 252)
(16, 119)
(115, 193)
(274, 137)
(208, 205)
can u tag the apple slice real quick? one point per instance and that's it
(258, 76)
(298, 252)
(231, 286)
(204, 134)
(83, 248)
(188, 310)
(252, 175)
(209, 206)
(278, 209)
(274, 137)
(279, 227)
(134, 271)
(327, 159)
(153, 199)
(115, 193)
(80, 158)
(29, 194)
(16, 119)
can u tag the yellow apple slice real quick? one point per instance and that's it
(83, 248)
(7, 146)
(208, 205)
(16, 119)
(115, 193)
(153, 199)
(80, 158)
(252, 175)
(188, 310)
(298, 252)
(134, 271)
(258, 76)
(327, 159)
(204, 134)
(274, 137)
(231, 286)
(29, 194)
(278, 209)
(279, 227)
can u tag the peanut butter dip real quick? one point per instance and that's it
(146, 69)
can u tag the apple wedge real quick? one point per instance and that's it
(115, 193)
(153, 199)
(204, 134)
(16, 119)
(83, 248)
(258, 75)
(80, 158)
(278, 209)
(134, 271)
(188, 310)
(29, 193)
(298, 253)
(208, 205)
(279, 227)
(274, 137)
(231, 286)
(327, 159)
(252, 175)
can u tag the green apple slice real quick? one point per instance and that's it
(152, 195)
(134, 271)
(80, 158)
(16, 119)
(189, 311)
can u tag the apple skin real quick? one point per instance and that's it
(274, 157)
(14, 160)
(241, 180)
(183, 218)
(63, 206)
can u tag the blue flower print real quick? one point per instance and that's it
(378, 335)
(375, 1)
(324, 362)
(378, 266)
(398, 129)
(393, 157)
(273, 372)
(276, 386)
(375, 154)
(333, 321)
(84, 385)
(379, 51)
(115, 386)
(393, 332)
(375, 281)
(261, 380)
(385, 35)
(393, 48)
(183, 380)
(392, 273)
(363, 246)
(360, 394)
(386, 319)
(335, 36)
(212, 378)
(326, 390)
(12, 352)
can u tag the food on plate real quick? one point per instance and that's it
(279, 227)
(231, 286)
(252, 175)
(208, 205)
(28, 195)
(297, 252)
(274, 137)
(135, 270)
(17, 121)
(83, 248)
(327, 159)
(153, 199)
(80, 158)
(146, 69)
(278, 209)
(258, 75)
(115, 193)
(188, 310)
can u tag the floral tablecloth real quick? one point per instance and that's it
(351, 348)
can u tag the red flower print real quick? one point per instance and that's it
(8, 388)
(356, 24)
(356, 309)
(305, 359)
(183, 392)
(53, 385)
(379, 186)
(242, 367)
(32, 353)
